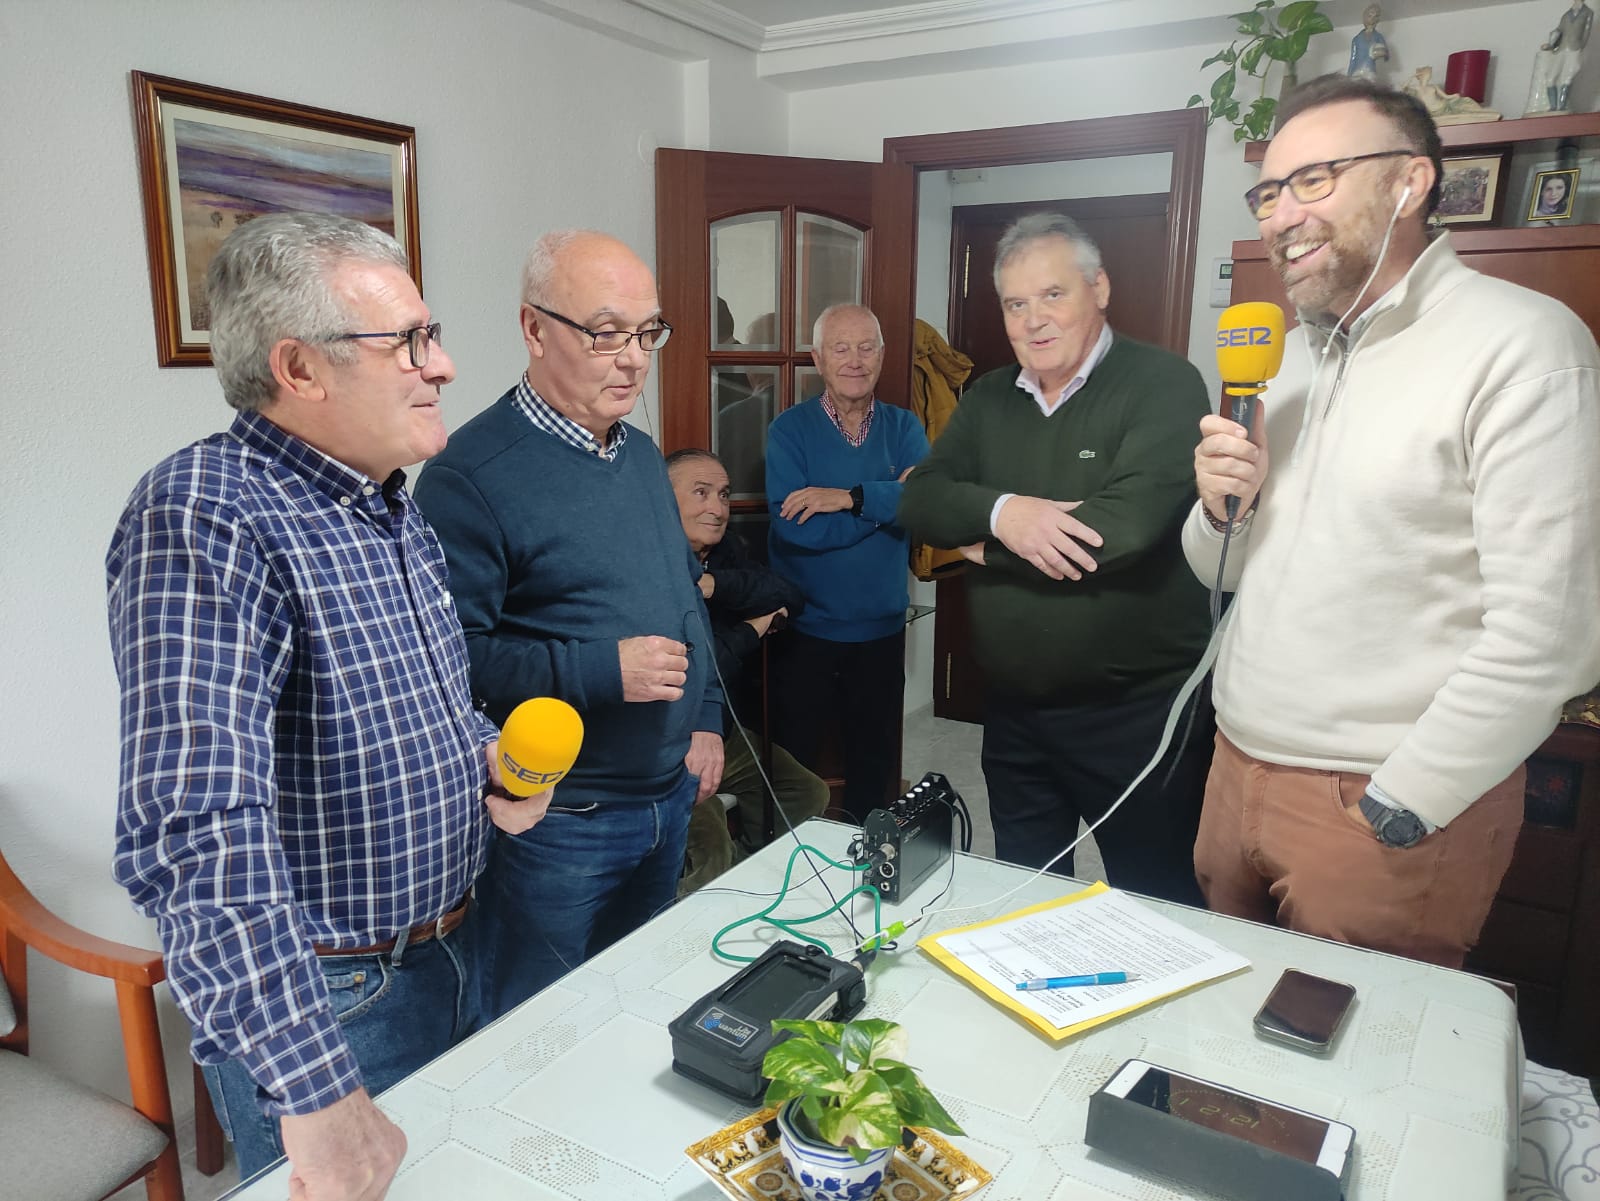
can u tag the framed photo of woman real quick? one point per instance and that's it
(1553, 196)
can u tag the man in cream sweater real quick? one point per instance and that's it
(1418, 560)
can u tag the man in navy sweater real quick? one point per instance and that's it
(572, 578)
(834, 469)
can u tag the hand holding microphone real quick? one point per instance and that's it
(537, 747)
(1230, 467)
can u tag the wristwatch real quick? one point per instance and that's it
(858, 497)
(1393, 827)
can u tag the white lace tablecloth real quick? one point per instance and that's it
(572, 1096)
(1560, 1145)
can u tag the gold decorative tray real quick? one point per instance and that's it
(744, 1161)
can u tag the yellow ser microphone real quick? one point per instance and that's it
(1249, 353)
(538, 745)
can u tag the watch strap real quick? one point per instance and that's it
(1392, 825)
(858, 498)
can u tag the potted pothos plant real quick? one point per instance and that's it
(1273, 35)
(846, 1096)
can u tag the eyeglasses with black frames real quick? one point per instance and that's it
(417, 340)
(615, 341)
(1312, 182)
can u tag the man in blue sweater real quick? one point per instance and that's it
(834, 469)
(572, 578)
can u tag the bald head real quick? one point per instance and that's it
(589, 279)
(847, 348)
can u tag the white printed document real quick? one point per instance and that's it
(1095, 930)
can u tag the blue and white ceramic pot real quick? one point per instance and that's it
(825, 1172)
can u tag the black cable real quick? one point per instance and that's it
(1222, 567)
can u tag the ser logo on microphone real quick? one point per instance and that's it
(539, 780)
(1255, 335)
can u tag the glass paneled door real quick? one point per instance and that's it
(751, 353)
(750, 249)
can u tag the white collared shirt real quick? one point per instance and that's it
(1028, 381)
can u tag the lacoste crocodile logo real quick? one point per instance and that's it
(1086, 454)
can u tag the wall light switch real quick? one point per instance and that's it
(1221, 283)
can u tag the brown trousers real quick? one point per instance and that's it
(1288, 845)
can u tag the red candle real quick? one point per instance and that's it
(1466, 72)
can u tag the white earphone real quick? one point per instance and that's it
(1405, 195)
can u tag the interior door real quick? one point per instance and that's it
(1131, 233)
(749, 250)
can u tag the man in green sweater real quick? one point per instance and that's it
(1065, 480)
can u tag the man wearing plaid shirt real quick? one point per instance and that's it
(305, 797)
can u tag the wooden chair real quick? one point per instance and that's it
(62, 1141)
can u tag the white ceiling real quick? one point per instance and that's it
(802, 44)
(778, 24)
(781, 12)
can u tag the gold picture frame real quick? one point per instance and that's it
(211, 159)
(1472, 190)
(1558, 205)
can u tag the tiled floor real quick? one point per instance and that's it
(955, 748)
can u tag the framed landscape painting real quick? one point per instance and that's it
(210, 160)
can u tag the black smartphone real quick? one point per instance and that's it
(1304, 1011)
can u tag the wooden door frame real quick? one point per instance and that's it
(1179, 132)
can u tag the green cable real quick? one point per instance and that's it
(788, 925)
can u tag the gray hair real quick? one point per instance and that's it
(272, 279)
(1035, 227)
(691, 454)
(835, 310)
(539, 268)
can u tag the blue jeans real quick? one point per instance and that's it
(399, 1010)
(574, 884)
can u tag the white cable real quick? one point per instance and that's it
(1316, 363)
(1184, 693)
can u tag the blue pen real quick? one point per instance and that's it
(1038, 985)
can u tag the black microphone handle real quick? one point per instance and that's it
(1243, 410)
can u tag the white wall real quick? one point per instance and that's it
(851, 121)
(524, 123)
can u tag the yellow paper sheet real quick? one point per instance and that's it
(1208, 961)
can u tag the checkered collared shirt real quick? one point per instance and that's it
(537, 410)
(866, 422)
(301, 761)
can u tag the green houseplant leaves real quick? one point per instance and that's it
(853, 1083)
(1272, 35)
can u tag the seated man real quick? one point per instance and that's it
(744, 599)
